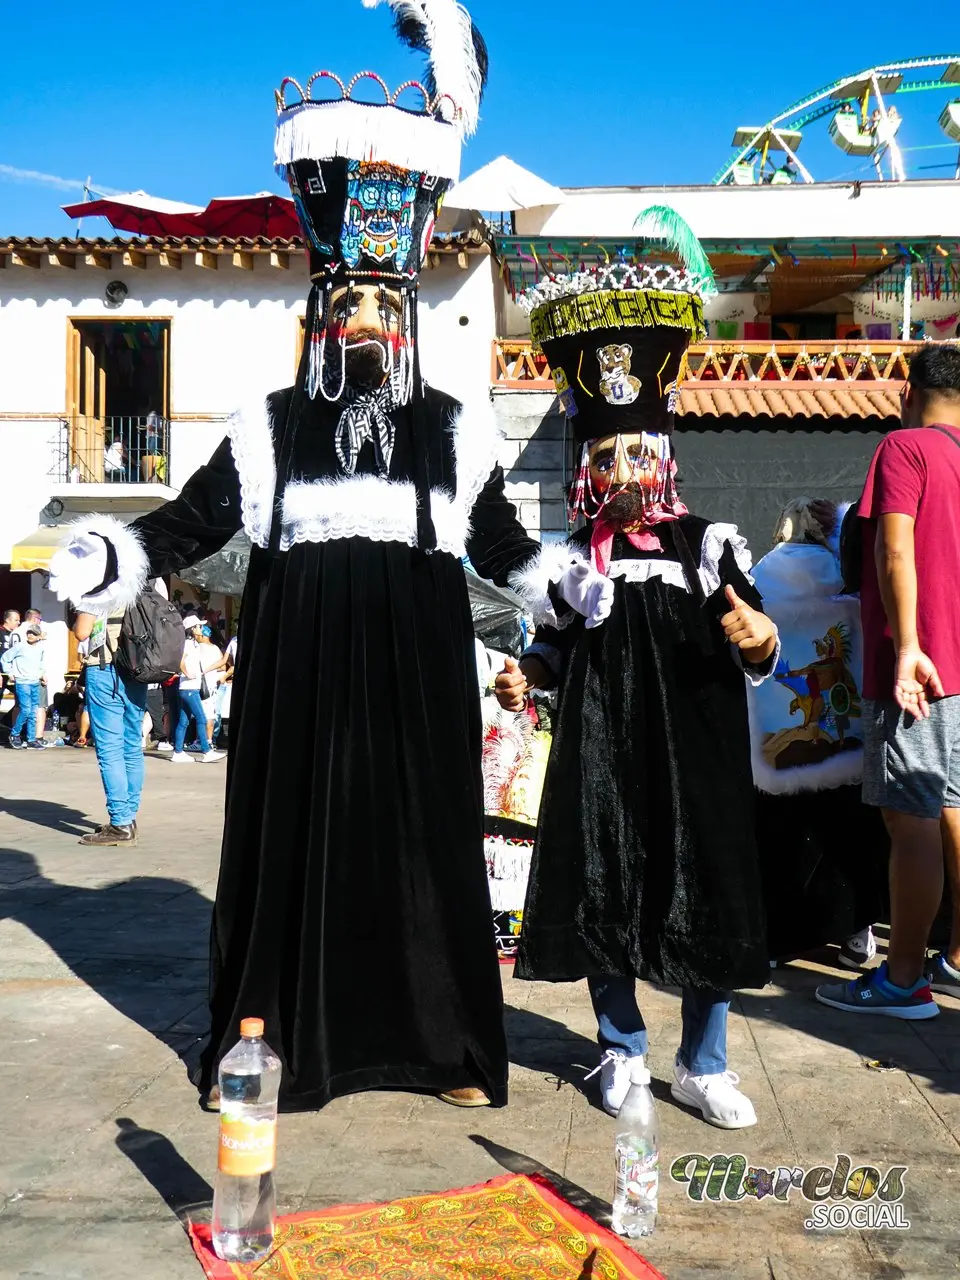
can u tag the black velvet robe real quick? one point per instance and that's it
(352, 911)
(646, 862)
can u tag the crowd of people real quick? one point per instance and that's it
(186, 717)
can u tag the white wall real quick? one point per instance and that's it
(233, 333)
(898, 211)
(28, 454)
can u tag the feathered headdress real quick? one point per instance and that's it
(457, 60)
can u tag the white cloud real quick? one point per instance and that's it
(12, 174)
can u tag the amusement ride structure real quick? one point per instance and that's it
(864, 122)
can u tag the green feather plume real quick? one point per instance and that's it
(660, 222)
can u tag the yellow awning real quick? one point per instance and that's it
(36, 550)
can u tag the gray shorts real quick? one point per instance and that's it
(911, 765)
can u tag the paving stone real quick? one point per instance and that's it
(103, 980)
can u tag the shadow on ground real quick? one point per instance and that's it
(141, 943)
(49, 814)
(174, 1179)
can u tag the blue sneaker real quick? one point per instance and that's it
(874, 993)
(942, 976)
(16, 742)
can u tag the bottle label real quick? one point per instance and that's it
(638, 1176)
(247, 1147)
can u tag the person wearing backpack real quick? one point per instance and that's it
(909, 522)
(116, 703)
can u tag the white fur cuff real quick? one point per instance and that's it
(75, 574)
(533, 581)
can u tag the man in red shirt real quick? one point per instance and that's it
(910, 607)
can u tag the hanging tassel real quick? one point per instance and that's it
(420, 440)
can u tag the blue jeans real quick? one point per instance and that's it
(191, 708)
(703, 1042)
(116, 704)
(28, 704)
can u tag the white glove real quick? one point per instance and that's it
(79, 567)
(588, 592)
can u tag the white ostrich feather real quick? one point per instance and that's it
(448, 34)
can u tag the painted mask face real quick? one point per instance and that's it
(378, 218)
(365, 313)
(619, 462)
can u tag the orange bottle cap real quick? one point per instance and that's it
(251, 1027)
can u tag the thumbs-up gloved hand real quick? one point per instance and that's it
(754, 634)
(510, 686)
(588, 592)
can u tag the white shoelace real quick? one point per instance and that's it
(611, 1055)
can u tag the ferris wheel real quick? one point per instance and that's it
(864, 122)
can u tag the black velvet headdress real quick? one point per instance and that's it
(615, 336)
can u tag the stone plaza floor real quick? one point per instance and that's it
(105, 1152)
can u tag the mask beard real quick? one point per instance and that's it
(626, 507)
(364, 355)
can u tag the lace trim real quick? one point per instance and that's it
(360, 506)
(251, 439)
(368, 507)
(714, 537)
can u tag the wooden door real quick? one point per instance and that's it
(88, 410)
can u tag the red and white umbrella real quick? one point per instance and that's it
(142, 214)
(264, 214)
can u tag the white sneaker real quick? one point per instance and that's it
(716, 1097)
(181, 757)
(209, 757)
(614, 1071)
(165, 746)
(858, 950)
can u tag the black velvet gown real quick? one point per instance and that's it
(352, 911)
(646, 862)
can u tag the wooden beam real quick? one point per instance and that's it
(207, 260)
(3, 261)
(462, 260)
(279, 259)
(243, 260)
(99, 259)
(61, 258)
(171, 259)
(134, 258)
(25, 259)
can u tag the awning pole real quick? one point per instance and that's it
(907, 299)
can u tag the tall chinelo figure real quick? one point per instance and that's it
(352, 911)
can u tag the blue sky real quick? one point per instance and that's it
(178, 100)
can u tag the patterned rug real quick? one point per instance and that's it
(513, 1228)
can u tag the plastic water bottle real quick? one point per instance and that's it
(245, 1201)
(638, 1158)
(56, 722)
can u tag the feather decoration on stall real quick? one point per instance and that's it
(504, 744)
(455, 49)
(660, 222)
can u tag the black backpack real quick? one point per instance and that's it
(152, 639)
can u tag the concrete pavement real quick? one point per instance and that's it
(104, 1149)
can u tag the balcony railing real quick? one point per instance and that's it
(516, 367)
(114, 450)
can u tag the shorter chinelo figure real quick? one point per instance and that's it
(646, 863)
